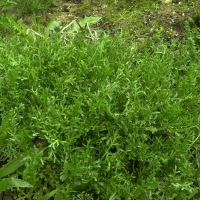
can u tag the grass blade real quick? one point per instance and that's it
(16, 25)
(48, 195)
(46, 33)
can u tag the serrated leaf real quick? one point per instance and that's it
(9, 183)
(47, 196)
(12, 166)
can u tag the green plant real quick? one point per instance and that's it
(9, 168)
(197, 14)
(156, 6)
(29, 34)
(33, 6)
(168, 34)
(107, 119)
(85, 6)
(6, 5)
(81, 30)
(158, 33)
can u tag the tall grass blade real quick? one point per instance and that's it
(46, 33)
(16, 25)
(47, 196)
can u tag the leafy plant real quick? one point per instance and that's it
(21, 28)
(81, 30)
(85, 6)
(108, 119)
(6, 5)
(33, 6)
(29, 34)
(9, 168)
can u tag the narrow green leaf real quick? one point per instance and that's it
(12, 166)
(47, 196)
(13, 2)
(1, 81)
(46, 33)
(16, 25)
(9, 183)
(113, 197)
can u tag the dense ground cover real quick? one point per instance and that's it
(101, 120)
(104, 118)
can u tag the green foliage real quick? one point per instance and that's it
(47, 196)
(106, 119)
(33, 6)
(85, 6)
(89, 20)
(6, 5)
(9, 168)
(21, 28)
(197, 13)
(9, 183)
(78, 28)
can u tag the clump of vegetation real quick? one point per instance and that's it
(197, 14)
(85, 6)
(32, 6)
(99, 119)
(86, 115)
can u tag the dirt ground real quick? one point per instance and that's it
(7, 195)
(146, 22)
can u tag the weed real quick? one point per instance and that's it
(111, 121)
(85, 6)
(7, 5)
(33, 6)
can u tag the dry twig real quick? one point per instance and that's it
(30, 30)
(92, 36)
(67, 26)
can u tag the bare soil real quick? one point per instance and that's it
(140, 21)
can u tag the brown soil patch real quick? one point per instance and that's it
(7, 195)
(172, 17)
